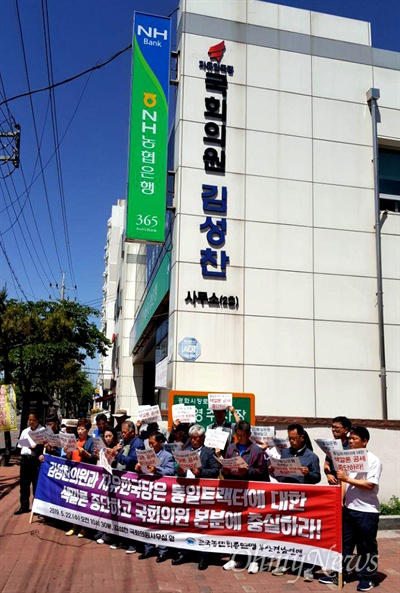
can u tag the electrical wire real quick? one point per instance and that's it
(56, 84)
(49, 63)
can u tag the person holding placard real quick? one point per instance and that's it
(360, 515)
(52, 422)
(29, 465)
(255, 469)
(340, 430)
(310, 469)
(125, 458)
(251, 453)
(222, 424)
(146, 432)
(166, 467)
(209, 469)
(125, 454)
(84, 453)
(121, 416)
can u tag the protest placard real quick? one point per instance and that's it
(187, 459)
(233, 462)
(105, 459)
(171, 447)
(25, 443)
(286, 467)
(280, 443)
(68, 440)
(327, 445)
(8, 408)
(98, 444)
(149, 414)
(216, 439)
(263, 434)
(147, 457)
(351, 460)
(219, 401)
(40, 436)
(186, 414)
(54, 440)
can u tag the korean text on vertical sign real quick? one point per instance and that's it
(147, 171)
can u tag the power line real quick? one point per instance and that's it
(14, 275)
(36, 134)
(49, 62)
(34, 179)
(53, 86)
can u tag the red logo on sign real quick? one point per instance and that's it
(216, 52)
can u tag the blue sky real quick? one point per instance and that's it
(92, 116)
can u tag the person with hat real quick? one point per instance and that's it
(121, 415)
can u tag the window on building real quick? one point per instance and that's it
(389, 179)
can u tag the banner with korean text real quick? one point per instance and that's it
(8, 408)
(293, 521)
(147, 173)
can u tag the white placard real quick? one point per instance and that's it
(216, 439)
(262, 434)
(147, 457)
(54, 440)
(186, 414)
(219, 401)
(233, 462)
(171, 447)
(25, 443)
(149, 414)
(98, 444)
(40, 436)
(286, 467)
(327, 445)
(68, 440)
(105, 459)
(351, 460)
(280, 443)
(187, 459)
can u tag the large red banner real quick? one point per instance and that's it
(294, 521)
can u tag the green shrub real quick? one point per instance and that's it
(392, 507)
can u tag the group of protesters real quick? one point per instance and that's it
(122, 441)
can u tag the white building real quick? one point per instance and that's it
(293, 315)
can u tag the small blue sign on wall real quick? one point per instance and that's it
(189, 349)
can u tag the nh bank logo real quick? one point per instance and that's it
(152, 35)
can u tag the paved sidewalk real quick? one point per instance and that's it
(39, 558)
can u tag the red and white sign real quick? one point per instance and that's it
(286, 467)
(149, 414)
(187, 459)
(352, 460)
(219, 401)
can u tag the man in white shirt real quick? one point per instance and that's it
(30, 464)
(361, 513)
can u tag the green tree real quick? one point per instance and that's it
(43, 344)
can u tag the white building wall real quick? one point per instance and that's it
(115, 228)
(300, 218)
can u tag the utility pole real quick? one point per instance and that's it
(63, 288)
(15, 137)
